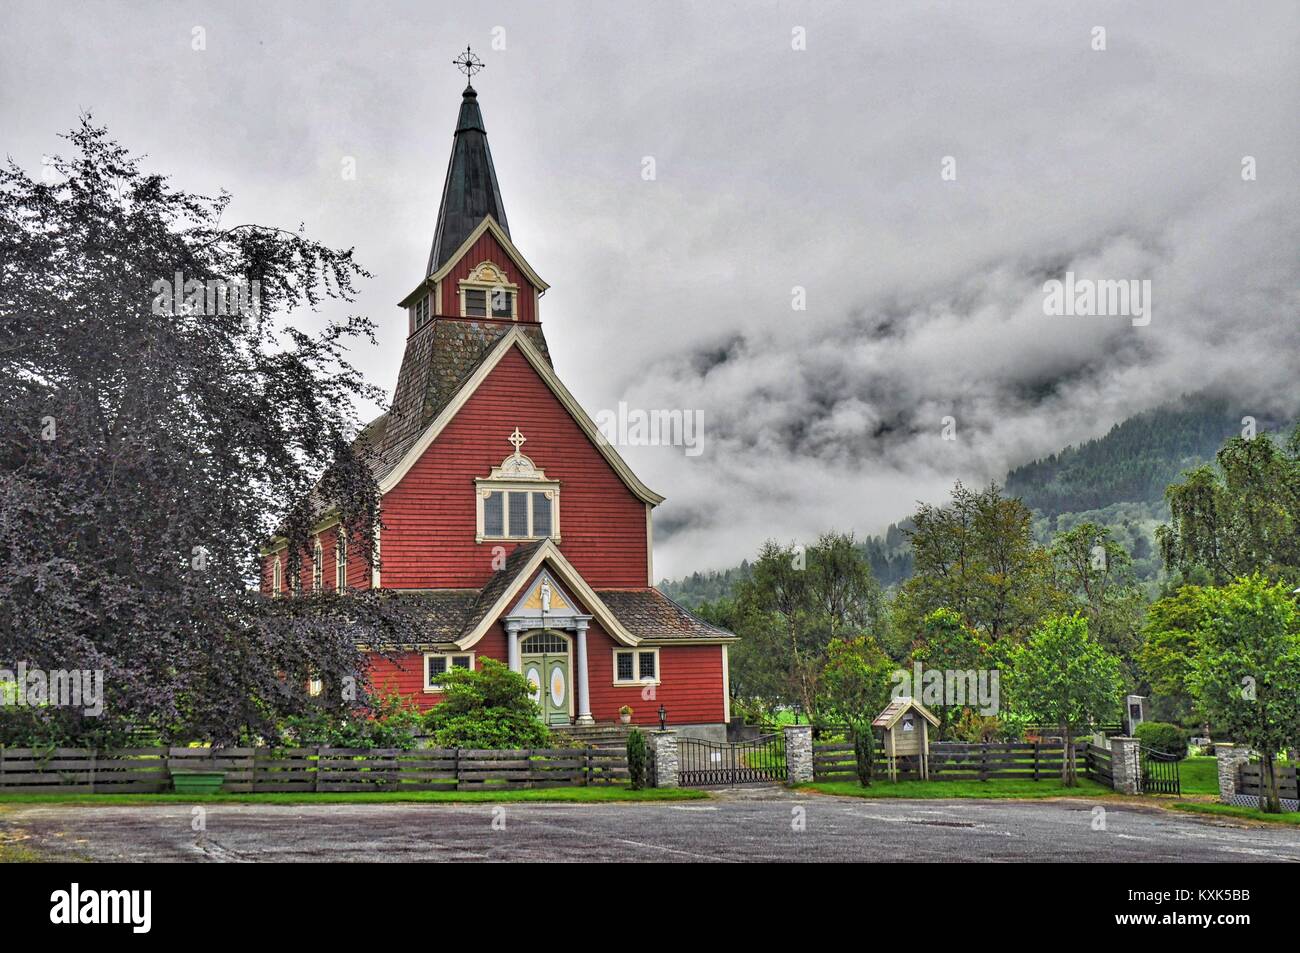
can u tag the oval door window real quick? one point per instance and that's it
(534, 677)
(557, 686)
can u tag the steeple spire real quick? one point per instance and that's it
(470, 192)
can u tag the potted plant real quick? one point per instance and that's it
(625, 714)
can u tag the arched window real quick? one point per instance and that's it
(277, 578)
(341, 561)
(544, 643)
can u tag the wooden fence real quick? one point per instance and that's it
(248, 770)
(1252, 779)
(1029, 761)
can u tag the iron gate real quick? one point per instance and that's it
(1158, 772)
(712, 762)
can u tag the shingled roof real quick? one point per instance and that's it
(439, 358)
(470, 192)
(649, 614)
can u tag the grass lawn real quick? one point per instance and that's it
(554, 795)
(1199, 775)
(961, 789)
(1231, 810)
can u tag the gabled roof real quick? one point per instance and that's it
(897, 708)
(470, 191)
(406, 442)
(519, 568)
(438, 361)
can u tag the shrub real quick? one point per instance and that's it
(864, 750)
(490, 707)
(1163, 736)
(391, 722)
(636, 758)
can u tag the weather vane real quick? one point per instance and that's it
(468, 63)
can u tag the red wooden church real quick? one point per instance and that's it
(521, 532)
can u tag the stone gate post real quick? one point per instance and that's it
(663, 750)
(798, 754)
(1230, 758)
(1124, 767)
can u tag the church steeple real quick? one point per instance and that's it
(470, 192)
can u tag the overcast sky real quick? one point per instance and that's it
(775, 168)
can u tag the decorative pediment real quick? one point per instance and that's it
(517, 466)
(544, 598)
(489, 273)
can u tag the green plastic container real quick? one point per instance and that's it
(198, 782)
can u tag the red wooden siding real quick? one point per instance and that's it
(429, 517)
(690, 684)
(690, 687)
(358, 568)
(487, 248)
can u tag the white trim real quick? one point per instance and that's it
(649, 546)
(477, 282)
(726, 686)
(571, 688)
(549, 552)
(636, 679)
(374, 568)
(489, 224)
(317, 565)
(277, 578)
(483, 487)
(341, 561)
(431, 688)
(516, 337)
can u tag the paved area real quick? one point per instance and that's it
(757, 823)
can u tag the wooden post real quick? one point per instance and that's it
(456, 765)
(1037, 746)
(984, 762)
(92, 770)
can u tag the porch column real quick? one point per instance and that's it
(512, 645)
(584, 697)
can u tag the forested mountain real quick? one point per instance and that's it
(1116, 481)
(1133, 463)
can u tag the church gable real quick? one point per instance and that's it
(465, 494)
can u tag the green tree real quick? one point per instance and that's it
(947, 643)
(636, 759)
(1091, 567)
(1061, 676)
(487, 707)
(977, 556)
(147, 450)
(1247, 673)
(794, 604)
(1241, 516)
(1169, 647)
(857, 683)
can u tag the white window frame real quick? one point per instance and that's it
(431, 687)
(485, 487)
(418, 310)
(277, 578)
(636, 666)
(317, 566)
(341, 562)
(315, 686)
(488, 276)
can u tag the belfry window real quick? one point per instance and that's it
(420, 313)
(488, 292)
(516, 501)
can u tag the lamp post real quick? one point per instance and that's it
(663, 717)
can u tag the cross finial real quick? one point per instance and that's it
(517, 440)
(468, 63)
